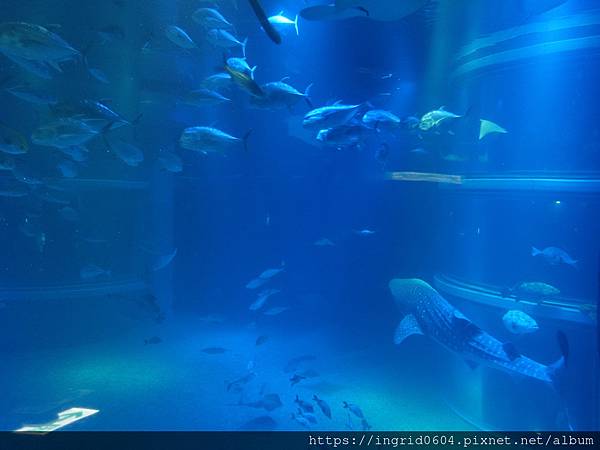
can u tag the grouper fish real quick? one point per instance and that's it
(428, 313)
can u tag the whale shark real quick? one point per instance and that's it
(429, 314)
(382, 10)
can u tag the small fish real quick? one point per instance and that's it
(276, 310)
(38, 68)
(261, 340)
(30, 96)
(295, 379)
(208, 139)
(170, 162)
(365, 232)
(34, 42)
(262, 299)
(279, 95)
(381, 120)
(346, 135)
(282, 23)
(152, 341)
(554, 256)
(225, 40)
(434, 120)
(238, 384)
(164, 260)
(12, 142)
(518, 322)
(128, 153)
(241, 65)
(323, 406)
(214, 350)
(63, 133)
(204, 97)
(99, 75)
(354, 409)
(77, 153)
(244, 81)
(179, 37)
(256, 283)
(301, 420)
(535, 288)
(210, 18)
(221, 80)
(330, 116)
(92, 271)
(68, 169)
(303, 405)
(310, 417)
(270, 273)
(365, 425)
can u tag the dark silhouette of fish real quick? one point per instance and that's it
(214, 350)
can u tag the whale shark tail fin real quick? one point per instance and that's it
(556, 370)
(556, 373)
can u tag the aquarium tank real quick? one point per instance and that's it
(299, 215)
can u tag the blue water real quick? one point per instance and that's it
(170, 252)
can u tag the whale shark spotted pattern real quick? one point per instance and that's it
(431, 315)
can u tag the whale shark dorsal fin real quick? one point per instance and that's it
(407, 327)
(463, 325)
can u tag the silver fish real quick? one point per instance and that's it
(208, 139)
(211, 18)
(63, 133)
(34, 42)
(204, 97)
(330, 116)
(225, 40)
(179, 37)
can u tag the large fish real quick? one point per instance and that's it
(385, 10)
(34, 42)
(428, 313)
(330, 116)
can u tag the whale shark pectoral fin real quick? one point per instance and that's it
(511, 351)
(407, 327)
